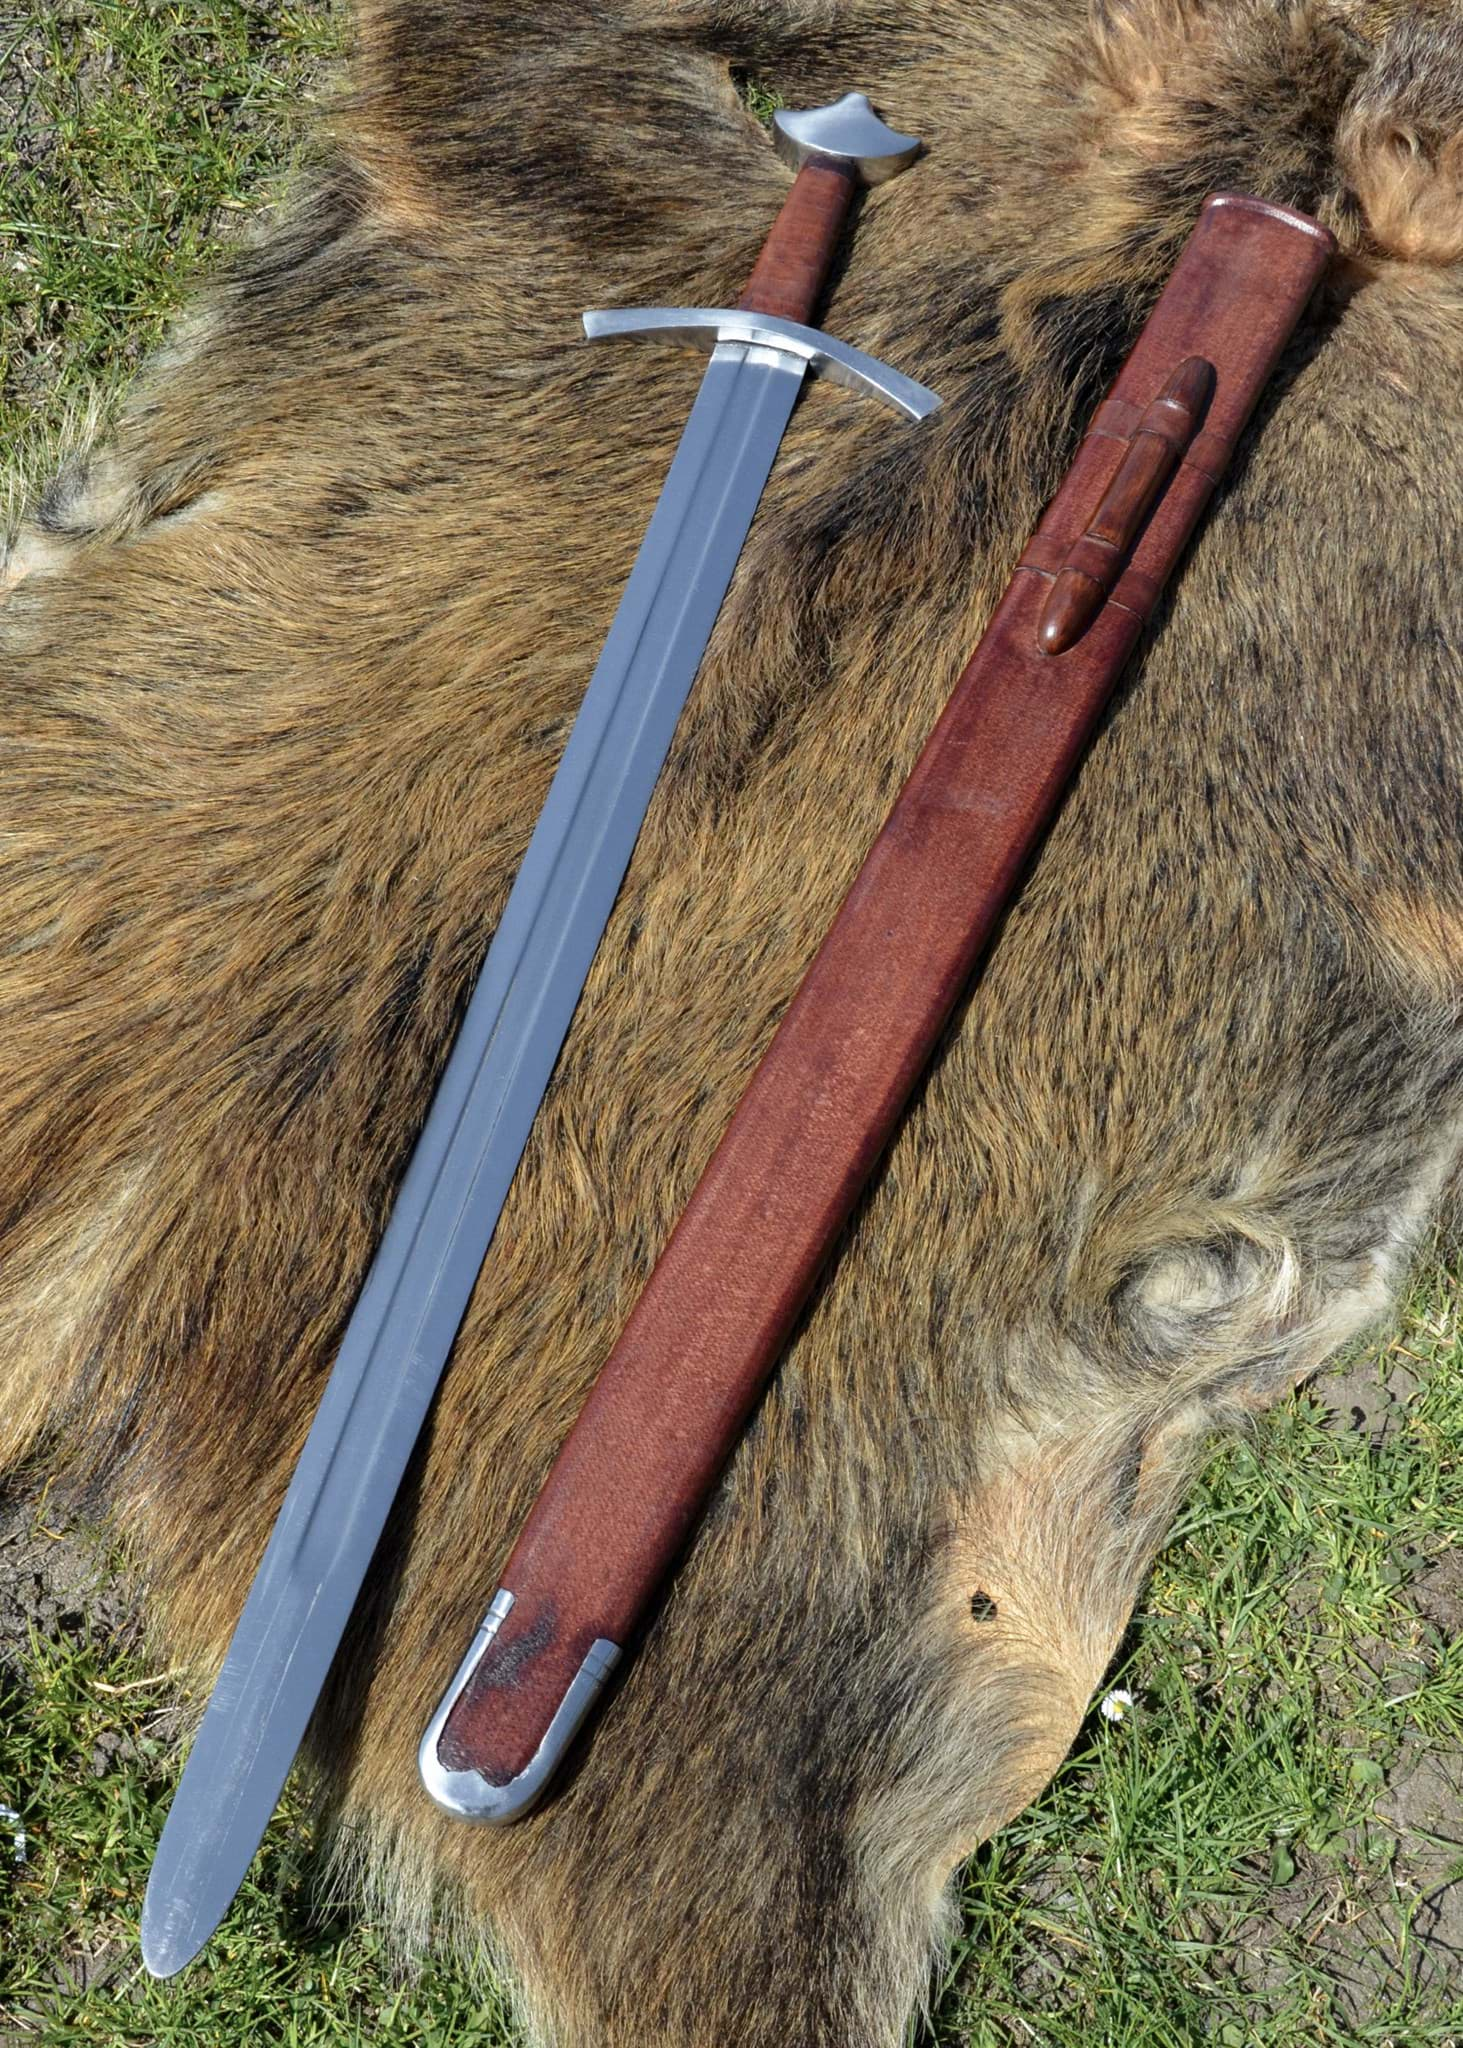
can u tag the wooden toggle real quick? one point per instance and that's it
(1094, 563)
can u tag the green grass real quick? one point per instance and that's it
(280, 1971)
(1206, 1871)
(133, 136)
(1202, 1870)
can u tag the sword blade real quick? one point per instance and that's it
(420, 1280)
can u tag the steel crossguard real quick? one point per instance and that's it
(840, 146)
(773, 339)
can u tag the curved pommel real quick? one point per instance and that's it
(848, 132)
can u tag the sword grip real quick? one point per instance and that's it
(788, 278)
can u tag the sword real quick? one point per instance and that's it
(421, 1278)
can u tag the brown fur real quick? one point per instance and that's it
(288, 669)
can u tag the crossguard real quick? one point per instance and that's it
(704, 327)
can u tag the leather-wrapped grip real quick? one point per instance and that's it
(664, 1414)
(788, 277)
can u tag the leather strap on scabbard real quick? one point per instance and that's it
(821, 1107)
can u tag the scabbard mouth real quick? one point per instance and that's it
(470, 1795)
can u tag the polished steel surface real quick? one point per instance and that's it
(709, 326)
(848, 131)
(418, 1286)
(406, 1318)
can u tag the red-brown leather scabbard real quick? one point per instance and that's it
(666, 1409)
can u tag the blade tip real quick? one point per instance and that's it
(159, 1963)
(164, 1951)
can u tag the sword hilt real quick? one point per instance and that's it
(835, 149)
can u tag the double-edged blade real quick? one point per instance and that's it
(417, 1290)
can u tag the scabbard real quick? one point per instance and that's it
(666, 1408)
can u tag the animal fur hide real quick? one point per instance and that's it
(288, 667)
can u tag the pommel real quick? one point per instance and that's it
(849, 133)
